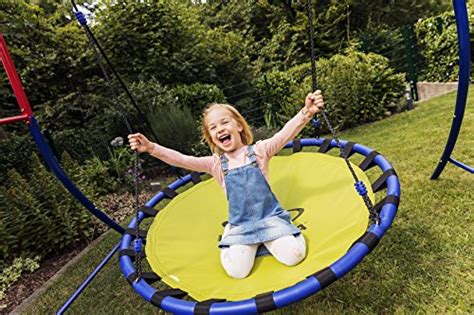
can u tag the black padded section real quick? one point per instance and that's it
(158, 296)
(203, 308)
(148, 211)
(170, 193)
(388, 199)
(133, 232)
(325, 277)
(368, 162)
(369, 239)
(131, 278)
(325, 146)
(265, 302)
(348, 150)
(149, 277)
(196, 177)
(131, 253)
(381, 182)
(297, 145)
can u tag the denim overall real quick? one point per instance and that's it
(255, 215)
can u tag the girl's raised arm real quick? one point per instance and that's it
(140, 143)
(313, 104)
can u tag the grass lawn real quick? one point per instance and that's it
(424, 263)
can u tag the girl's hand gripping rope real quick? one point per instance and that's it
(140, 143)
(314, 103)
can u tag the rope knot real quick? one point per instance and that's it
(137, 245)
(360, 187)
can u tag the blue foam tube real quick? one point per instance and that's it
(285, 296)
(53, 164)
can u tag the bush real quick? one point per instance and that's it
(171, 120)
(276, 103)
(97, 177)
(176, 128)
(150, 96)
(12, 273)
(437, 39)
(121, 161)
(197, 96)
(82, 123)
(262, 133)
(39, 216)
(382, 40)
(16, 154)
(358, 88)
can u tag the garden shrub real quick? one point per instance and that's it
(437, 41)
(96, 176)
(16, 152)
(358, 88)
(176, 128)
(12, 273)
(39, 215)
(82, 122)
(262, 133)
(197, 96)
(171, 120)
(276, 102)
(149, 95)
(120, 163)
(95, 173)
(382, 40)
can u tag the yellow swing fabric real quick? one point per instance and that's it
(182, 241)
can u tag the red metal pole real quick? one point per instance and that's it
(16, 85)
(9, 120)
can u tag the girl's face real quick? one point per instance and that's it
(224, 129)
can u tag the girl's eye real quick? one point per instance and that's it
(212, 128)
(225, 122)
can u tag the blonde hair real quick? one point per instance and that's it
(246, 134)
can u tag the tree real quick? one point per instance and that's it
(167, 41)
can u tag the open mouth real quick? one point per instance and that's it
(225, 139)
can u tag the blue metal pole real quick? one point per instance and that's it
(88, 280)
(462, 25)
(61, 175)
(462, 165)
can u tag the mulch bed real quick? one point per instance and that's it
(30, 282)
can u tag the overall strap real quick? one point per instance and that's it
(224, 164)
(251, 155)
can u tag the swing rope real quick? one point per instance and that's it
(359, 185)
(137, 244)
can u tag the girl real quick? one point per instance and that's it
(255, 215)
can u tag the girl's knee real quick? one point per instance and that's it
(297, 254)
(238, 261)
(289, 250)
(237, 272)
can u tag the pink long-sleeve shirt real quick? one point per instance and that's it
(264, 150)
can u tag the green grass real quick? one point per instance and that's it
(424, 263)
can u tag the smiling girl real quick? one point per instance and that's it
(255, 215)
